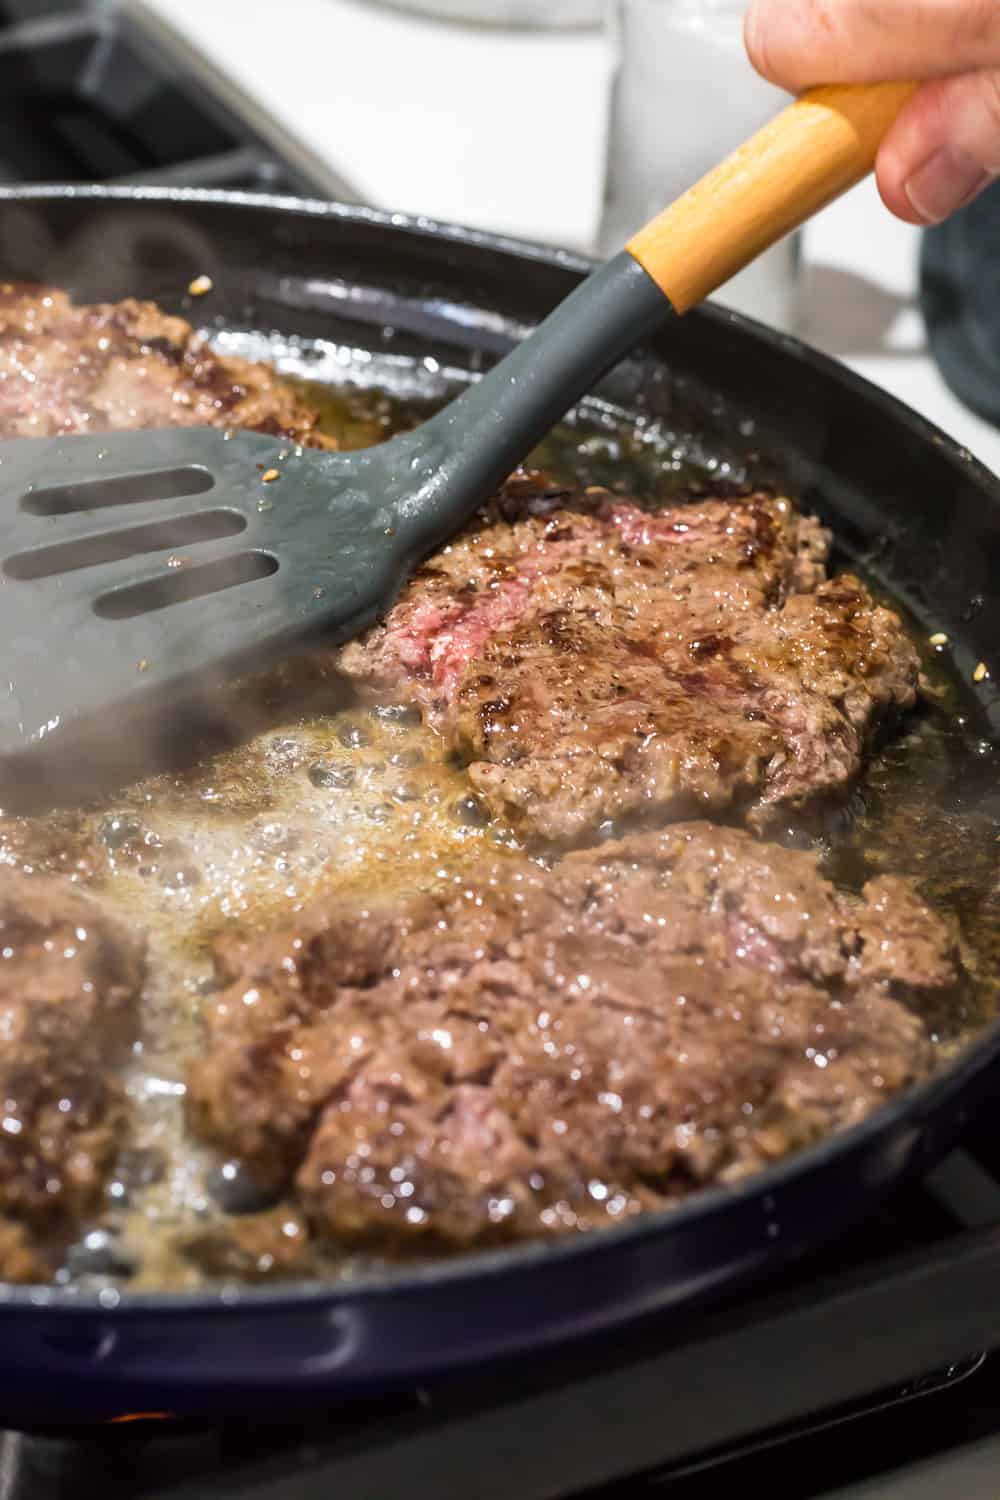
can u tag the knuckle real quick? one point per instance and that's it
(989, 88)
(874, 17)
(786, 44)
(758, 34)
(825, 19)
(976, 33)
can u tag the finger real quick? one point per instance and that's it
(944, 149)
(797, 43)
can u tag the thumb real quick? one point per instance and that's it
(944, 149)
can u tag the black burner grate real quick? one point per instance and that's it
(90, 97)
(900, 1313)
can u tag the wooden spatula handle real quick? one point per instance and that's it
(801, 160)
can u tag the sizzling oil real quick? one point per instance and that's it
(319, 796)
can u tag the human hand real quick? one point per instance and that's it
(945, 147)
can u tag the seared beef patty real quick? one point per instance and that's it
(128, 365)
(595, 662)
(70, 978)
(542, 1051)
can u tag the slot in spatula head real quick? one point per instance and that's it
(132, 562)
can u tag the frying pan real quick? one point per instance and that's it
(405, 286)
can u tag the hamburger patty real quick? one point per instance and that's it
(543, 1051)
(108, 366)
(70, 979)
(597, 663)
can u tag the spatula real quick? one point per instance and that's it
(135, 563)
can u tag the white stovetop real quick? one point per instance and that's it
(505, 131)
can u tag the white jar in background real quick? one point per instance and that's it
(540, 14)
(684, 96)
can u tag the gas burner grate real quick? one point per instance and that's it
(90, 96)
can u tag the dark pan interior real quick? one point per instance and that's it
(924, 514)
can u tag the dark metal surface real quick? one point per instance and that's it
(960, 302)
(377, 282)
(88, 95)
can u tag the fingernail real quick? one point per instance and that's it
(947, 181)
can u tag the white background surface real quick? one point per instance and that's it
(506, 131)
